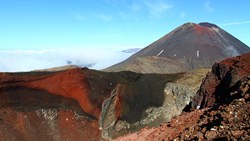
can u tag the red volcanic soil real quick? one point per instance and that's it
(167, 131)
(50, 124)
(201, 29)
(76, 129)
(69, 84)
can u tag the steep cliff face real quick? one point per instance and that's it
(220, 84)
(131, 109)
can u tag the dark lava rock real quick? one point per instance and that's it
(224, 83)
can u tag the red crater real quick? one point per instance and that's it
(201, 29)
(69, 84)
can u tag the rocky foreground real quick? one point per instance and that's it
(227, 122)
(225, 115)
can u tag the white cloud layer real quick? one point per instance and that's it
(26, 60)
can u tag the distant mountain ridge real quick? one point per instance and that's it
(190, 46)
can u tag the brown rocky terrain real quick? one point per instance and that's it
(83, 104)
(224, 98)
(190, 46)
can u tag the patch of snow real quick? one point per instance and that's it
(198, 54)
(159, 53)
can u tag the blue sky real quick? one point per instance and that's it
(44, 24)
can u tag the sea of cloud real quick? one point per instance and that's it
(27, 60)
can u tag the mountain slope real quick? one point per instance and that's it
(188, 47)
